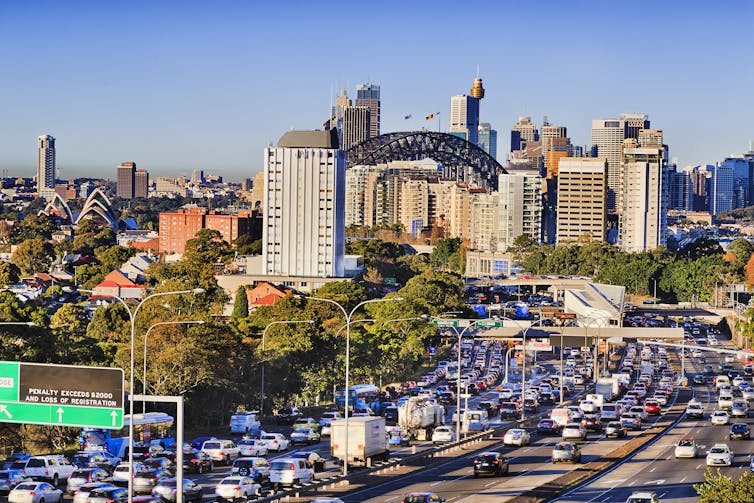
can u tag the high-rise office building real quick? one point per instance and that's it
(721, 188)
(46, 167)
(643, 223)
(519, 207)
(355, 126)
(141, 183)
(464, 117)
(487, 138)
(126, 180)
(523, 131)
(368, 95)
(680, 190)
(304, 205)
(582, 199)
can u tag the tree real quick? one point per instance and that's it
(69, 326)
(749, 271)
(9, 273)
(248, 245)
(241, 304)
(33, 255)
(113, 257)
(33, 226)
(718, 487)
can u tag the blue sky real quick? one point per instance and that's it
(176, 86)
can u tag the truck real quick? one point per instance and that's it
(245, 422)
(367, 440)
(419, 416)
(598, 399)
(607, 387)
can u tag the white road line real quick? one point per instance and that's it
(683, 480)
(490, 484)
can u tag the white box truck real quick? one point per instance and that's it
(367, 440)
(606, 387)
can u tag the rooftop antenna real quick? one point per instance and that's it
(477, 70)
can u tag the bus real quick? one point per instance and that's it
(149, 428)
(361, 396)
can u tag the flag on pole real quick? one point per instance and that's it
(408, 116)
(430, 117)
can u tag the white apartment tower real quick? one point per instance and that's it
(464, 117)
(519, 207)
(582, 199)
(46, 166)
(645, 198)
(304, 206)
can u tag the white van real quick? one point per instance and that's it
(223, 451)
(721, 380)
(475, 420)
(290, 471)
(244, 422)
(561, 416)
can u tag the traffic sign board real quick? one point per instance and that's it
(61, 395)
(446, 323)
(490, 323)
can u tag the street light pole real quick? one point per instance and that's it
(523, 366)
(264, 334)
(146, 337)
(132, 316)
(348, 353)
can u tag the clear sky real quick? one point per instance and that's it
(181, 85)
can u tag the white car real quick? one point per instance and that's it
(573, 431)
(120, 474)
(505, 394)
(720, 417)
(236, 487)
(738, 380)
(443, 435)
(686, 448)
(660, 399)
(35, 492)
(223, 451)
(720, 455)
(587, 406)
(252, 447)
(516, 436)
(275, 441)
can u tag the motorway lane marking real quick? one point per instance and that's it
(683, 480)
(698, 466)
(490, 484)
(393, 498)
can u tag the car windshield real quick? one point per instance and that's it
(25, 487)
(230, 482)
(212, 445)
(686, 443)
(282, 465)
(717, 450)
(740, 427)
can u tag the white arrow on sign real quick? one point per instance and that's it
(5, 411)
(658, 482)
(114, 415)
(60, 414)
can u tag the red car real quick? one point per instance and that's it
(652, 407)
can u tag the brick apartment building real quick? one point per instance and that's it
(177, 227)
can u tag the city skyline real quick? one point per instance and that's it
(185, 94)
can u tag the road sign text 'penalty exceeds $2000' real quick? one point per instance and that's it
(61, 395)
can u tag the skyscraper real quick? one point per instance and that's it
(523, 131)
(141, 183)
(464, 113)
(46, 167)
(368, 95)
(488, 139)
(645, 197)
(356, 125)
(126, 180)
(519, 207)
(304, 205)
(721, 188)
(582, 199)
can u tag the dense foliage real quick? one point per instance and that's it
(718, 488)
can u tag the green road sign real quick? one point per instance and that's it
(490, 323)
(61, 395)
(446, 323)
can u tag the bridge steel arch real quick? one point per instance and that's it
(460, 159)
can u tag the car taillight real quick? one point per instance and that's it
(222, 453)
(236, 488)
(47, 472)
(31, 493)
(495, 462)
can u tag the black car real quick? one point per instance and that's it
(287, 415)
(198, 442)
(531, 405)
(546, 398)
(700, 379)
(739, 431)
(548, 427)
(446, 398)
(509, 410)
(490, 463)
(708, 369)
(592, 422)
(489, 407)
(196, 461)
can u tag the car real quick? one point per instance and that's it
(222, 451)
(516, 436)
(108, 494)
(306, 436)
(694, 409)
(85, 476)
(165, 490)
(699, 379)
(252, 447)
(398, 437)
(651, 407)
(313, 459)
(144, 481)
(739, 409)
(509, 410)
(275, 441)
(592, 422)
(82, 494)
(630, 421)
(739, 431)
(96, 459)
(720, 417)
(720, 455)
(615, 429)
(287, 415)
(11, 478)
(547, 426)
(160, 464)
(443, 435)
(35, 492)
(236, 487)
(198, 442)
(686, 448)
(490, 463)
(422, 498)
(566, 451)
(643, 497)
(257, 468)
(326, 420)
(573, 431)
(307, 422)
(708, 369)
(121, 475)
(196, 461)
(290, 471)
